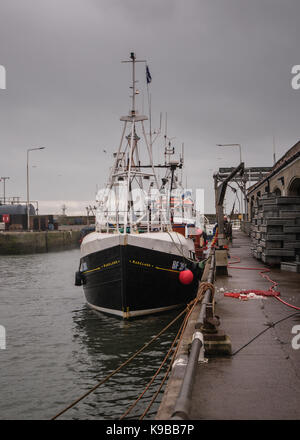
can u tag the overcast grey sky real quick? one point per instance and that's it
(220, 68)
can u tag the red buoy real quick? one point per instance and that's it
(186, 276)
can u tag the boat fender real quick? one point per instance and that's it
(186, 276)
(202, 264)
(78, 278)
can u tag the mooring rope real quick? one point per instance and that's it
(203, 287)
(188, 310)
(154, 376)
(119, 368)
(180, 250)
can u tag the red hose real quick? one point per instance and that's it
(287, 304)
(271, 292)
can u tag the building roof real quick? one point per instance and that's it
(288, 157)
(14, 209)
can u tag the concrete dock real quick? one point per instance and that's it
(262, 381)
(15, 243)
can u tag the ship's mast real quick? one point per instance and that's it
(127, 166)
(133, 60)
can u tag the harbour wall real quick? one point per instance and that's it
(13, 243)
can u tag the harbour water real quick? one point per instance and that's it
(57, 348)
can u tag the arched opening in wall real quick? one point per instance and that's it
(277, 192)
(294, 187)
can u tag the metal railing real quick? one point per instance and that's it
(205, 322)
(206, 310)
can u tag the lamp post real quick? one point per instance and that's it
(4, 179)
(28, 214)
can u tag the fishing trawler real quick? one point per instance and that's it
(134, 263)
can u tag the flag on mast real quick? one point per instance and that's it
(148, 75)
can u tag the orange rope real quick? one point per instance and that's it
(154, 376)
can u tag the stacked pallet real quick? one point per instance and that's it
(275, 229)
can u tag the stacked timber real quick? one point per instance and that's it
(275, 229)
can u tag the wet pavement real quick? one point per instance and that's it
(262, 381)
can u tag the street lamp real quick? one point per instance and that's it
(28, 215)
(4, 179)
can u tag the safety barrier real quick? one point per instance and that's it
(206, 322)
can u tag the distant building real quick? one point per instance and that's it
(13, 217)
(13, 209)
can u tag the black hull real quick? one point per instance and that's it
(132, 281)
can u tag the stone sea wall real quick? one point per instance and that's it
(13, 243)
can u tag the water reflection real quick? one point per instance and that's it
(57, 348)
(109, 342)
